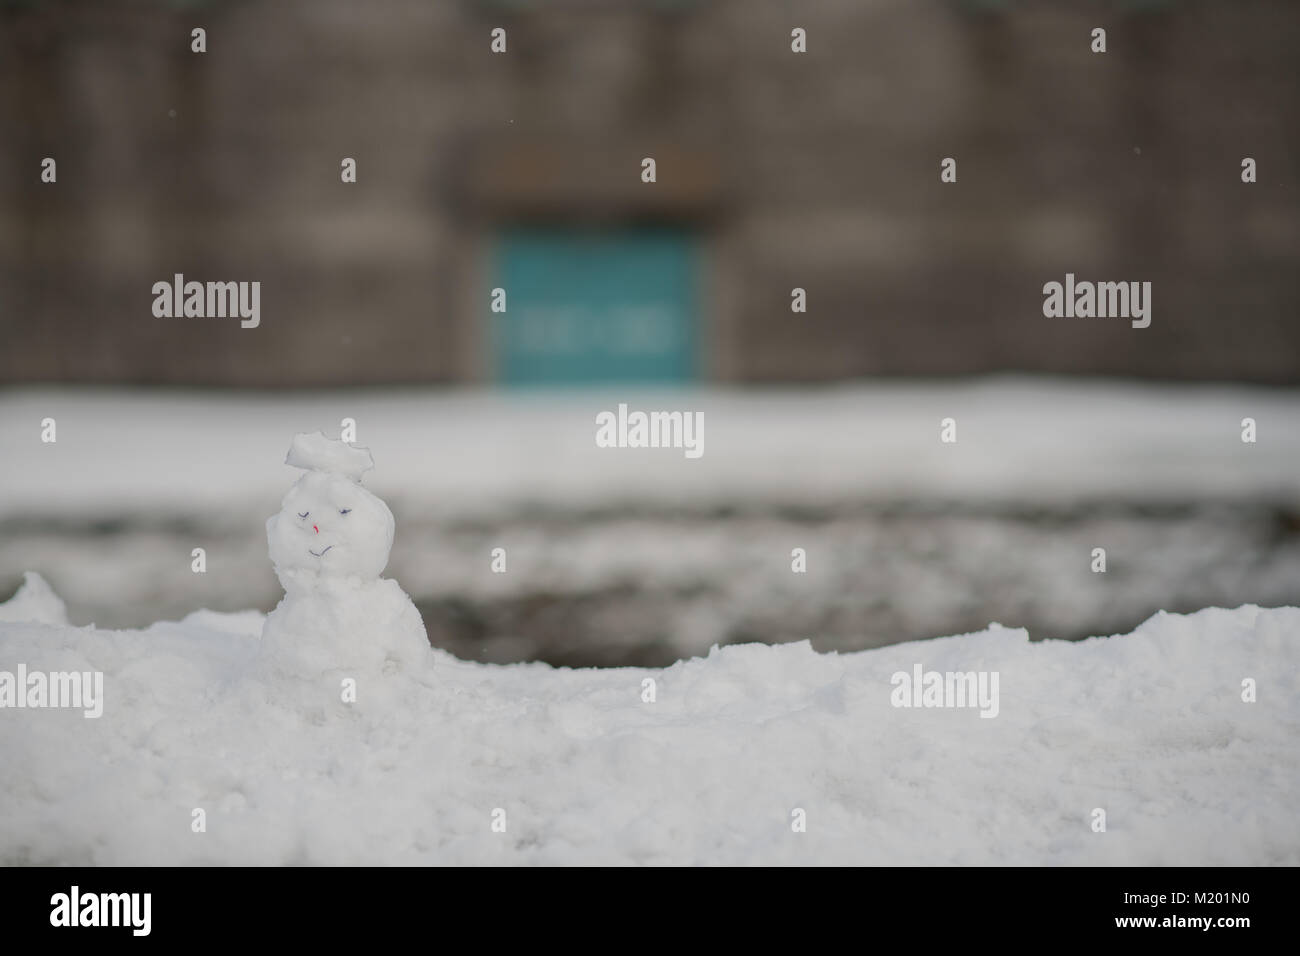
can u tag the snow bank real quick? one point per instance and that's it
(464, 453)
(1150, 726)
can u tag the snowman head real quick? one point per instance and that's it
(328, 525)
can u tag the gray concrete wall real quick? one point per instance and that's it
(816, 170)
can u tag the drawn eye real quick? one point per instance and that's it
(344, 511)
(304, 514)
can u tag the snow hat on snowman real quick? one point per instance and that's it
(328, 524)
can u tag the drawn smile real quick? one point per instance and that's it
(322, 554)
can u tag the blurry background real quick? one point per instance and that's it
(775, 170)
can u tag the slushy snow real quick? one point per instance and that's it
(1150, 727)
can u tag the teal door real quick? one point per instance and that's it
(599, 306)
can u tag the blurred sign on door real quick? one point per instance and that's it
(596, 306)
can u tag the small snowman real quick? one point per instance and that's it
(330, 544)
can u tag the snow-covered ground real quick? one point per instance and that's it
(482, 453)
(1149, 727)
(642, 556)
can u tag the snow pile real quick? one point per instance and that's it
(1150, 727)
(35, 601)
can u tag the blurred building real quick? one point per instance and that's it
(522, 170)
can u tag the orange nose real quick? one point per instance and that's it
(316, 529)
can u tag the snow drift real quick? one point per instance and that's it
(581, 767)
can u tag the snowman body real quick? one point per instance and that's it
(330, 543)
